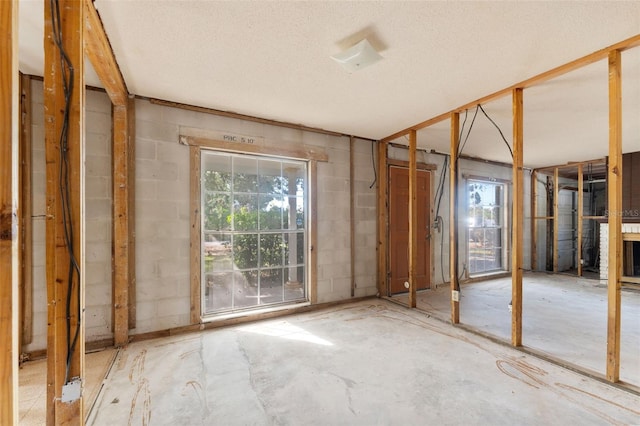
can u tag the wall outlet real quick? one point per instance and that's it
(455, 295)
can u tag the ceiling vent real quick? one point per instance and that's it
(357, 57)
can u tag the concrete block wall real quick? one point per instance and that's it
(97, 270)
(163, 222)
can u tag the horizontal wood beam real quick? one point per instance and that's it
(98, 50)
(533, 81)
(301, 152)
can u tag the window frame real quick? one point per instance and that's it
(301, 152)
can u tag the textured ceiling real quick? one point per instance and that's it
(272, 60)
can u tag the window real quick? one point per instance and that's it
(254, 231)
(486, 227)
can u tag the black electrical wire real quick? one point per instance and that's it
(67, 73)
(500, 131)
(373, 162)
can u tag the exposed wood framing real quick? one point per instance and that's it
(8, 212)
(517, 220)
(453, 218)
(238, 116)
(313, 231)
(405, 164)
(26, 210)
(99, 52)
(580, 219)
(413, 218)
(614, 189)
(533, 81)
(352, 215)
(124, 269)
(534, 221)
(195, 234)
(301, 152)
(383, 218)
(58, 257)
(556, 221)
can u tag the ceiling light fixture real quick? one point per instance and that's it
(358, 56)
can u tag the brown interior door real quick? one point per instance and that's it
(399, 230)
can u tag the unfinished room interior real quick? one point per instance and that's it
(381, 212)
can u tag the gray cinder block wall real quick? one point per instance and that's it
(98, 202)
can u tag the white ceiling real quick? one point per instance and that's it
(272, 60)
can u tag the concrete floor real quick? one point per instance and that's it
(32, 396)
(563, 316)
(366, 363)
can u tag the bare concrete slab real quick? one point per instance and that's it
(563, 316)
(366, 363)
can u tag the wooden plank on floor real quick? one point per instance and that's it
(383, 217)
(123, 219)
(9, 327)
(517, 222)
(413, 218)
(65, 208)
(453, 219)
(195, 235)
(614, 192)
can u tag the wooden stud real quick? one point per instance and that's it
(58, 257)
(556, 218)
(533, 81)
(352, 214)
(101, 55)
(453, 218)
(8, 212)
(131, 208)
(196, 234)
(614, 189)
(123, 219)
(313, 231)
(580, 211)
(26, 209)
(383, 218)
(534, 221)
(517, 220)
(413, 218)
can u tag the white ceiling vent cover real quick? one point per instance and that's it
(357, 57)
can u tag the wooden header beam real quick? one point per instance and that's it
(533, 81)
(101, 55)
(65, 288)
(8, 212)
(614, 192)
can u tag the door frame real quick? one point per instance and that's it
(430, 168)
